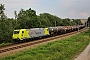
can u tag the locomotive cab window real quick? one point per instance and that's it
(16, 32)
(47, 30)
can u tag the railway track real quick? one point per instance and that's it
(22, 45)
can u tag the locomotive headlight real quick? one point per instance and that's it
(52, 29)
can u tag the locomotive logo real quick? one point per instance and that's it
(32, 32)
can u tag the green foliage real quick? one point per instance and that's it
(77, 22)
(5, 26)
(58, 50)
(3, 44)
(1, 9)
(5, 31)
(89, 21)
(66, 22)
(27, 18)
(48, 20)
(89, 25)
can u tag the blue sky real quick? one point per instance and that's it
(74, 9)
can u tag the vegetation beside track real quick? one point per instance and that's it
(59, 50)
(3, 44)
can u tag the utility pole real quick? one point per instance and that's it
(15, 12)
(78, 26)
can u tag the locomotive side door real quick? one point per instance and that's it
(46, 31)
(22, 34)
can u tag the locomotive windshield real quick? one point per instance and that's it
(16, 32)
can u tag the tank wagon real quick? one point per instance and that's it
(63, 29)
(26, 34)
(55, 30)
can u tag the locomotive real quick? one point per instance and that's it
(27, 34)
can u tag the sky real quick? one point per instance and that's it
(73, 9)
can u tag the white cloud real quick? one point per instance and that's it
(72, 12)
(67, 3)
(12, 5)
(20, 3)
(84, 14)
(63, 8)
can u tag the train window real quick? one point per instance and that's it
(16, 32)
(22, 31)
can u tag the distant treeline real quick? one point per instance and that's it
(28, 19)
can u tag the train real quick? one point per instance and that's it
(32, 33)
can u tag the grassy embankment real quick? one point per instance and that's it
(3, 44)
(65, 49)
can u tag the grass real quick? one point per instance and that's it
(65, 49)
(3, 44)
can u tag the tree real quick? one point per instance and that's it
(2, 15)
(2, 21)
(1, 9)
(77, 22)
(15, 12)
(45, 20)
(89, 22)
(15, 25)
(5, 26)
(49, 20)
(89, 26)
(66, 22)
(27, 18)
